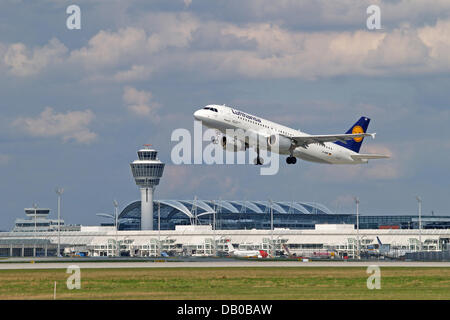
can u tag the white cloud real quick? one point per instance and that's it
(139, 103)
(69, 126)
(107, 49)
(332, 15)
(402, 48)
(276, 52)
(177, 43)
(22, 61)
(378, 149)
(169, 30)
(134, 45)
(284, 53)
(437, 38)
(135, 73)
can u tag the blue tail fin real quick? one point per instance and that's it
(359, 127)
(379, 241)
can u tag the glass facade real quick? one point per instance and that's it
(147, 154)
(404, 222)
(147, 170)
(240, 215)
(37, 212)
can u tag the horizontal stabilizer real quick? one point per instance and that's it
(368, 156)
(321, 139)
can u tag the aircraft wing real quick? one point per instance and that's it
(368, 156)
(304, 141)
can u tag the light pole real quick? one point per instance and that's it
(116, 204)
(357, 227)
(419, 200)
(271, 228)
(35, 229)
(194, 210)
(115, 222)
(59, 192)
(159, 228)
(214, 226)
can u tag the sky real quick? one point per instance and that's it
(77, 104)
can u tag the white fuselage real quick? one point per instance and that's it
(229, 118)
(247, 254)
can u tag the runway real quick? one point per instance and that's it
(212, 264)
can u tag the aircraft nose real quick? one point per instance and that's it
(197, 115)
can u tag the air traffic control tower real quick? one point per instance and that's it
(146, 172)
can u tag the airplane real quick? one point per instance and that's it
(386, 250)
(246, 253)
(330, 149)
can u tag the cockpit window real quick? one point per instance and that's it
(212, 109)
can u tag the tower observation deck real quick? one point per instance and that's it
(147, 171)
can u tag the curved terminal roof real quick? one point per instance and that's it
(187, 207)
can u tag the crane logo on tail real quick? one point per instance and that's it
(355, 130)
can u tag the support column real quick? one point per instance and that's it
(146, 208)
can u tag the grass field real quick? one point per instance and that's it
(228, 283)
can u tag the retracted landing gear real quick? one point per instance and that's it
(291, 160)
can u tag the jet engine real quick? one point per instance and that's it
(234, 145)
(284, 143)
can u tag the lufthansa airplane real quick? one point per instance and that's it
(331, 149)
(246, 253)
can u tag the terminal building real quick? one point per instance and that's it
(247, 215)
(37, 220)
(325, 240)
